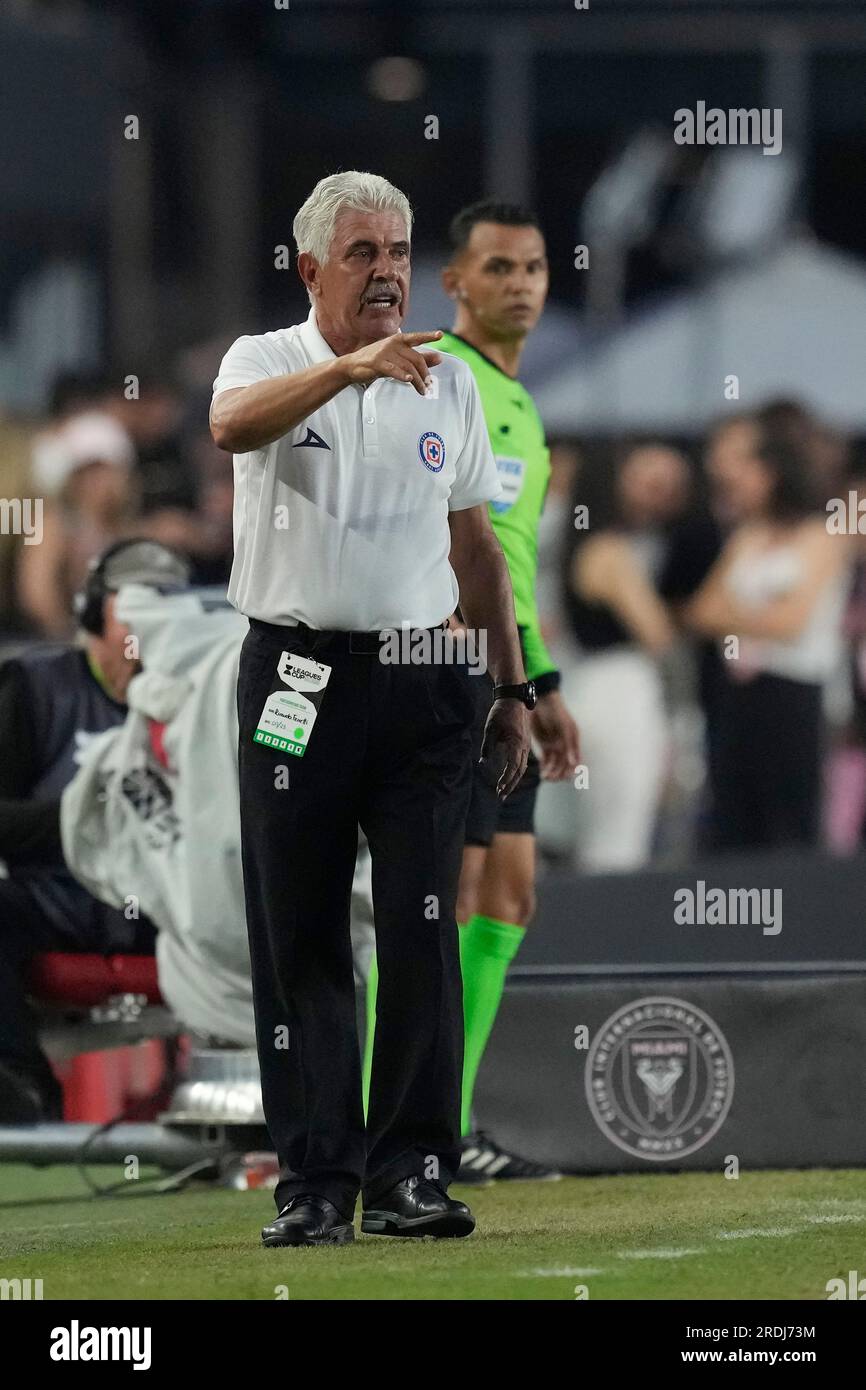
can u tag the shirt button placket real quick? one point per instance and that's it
(369, 426)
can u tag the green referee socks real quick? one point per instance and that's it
(487, 948)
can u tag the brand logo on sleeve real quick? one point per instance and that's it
(512, 474)
(431, 451)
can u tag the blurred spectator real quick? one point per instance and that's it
(845, 802)
(108, 466)
(184, 482)
(622, 628)
(72, 393)
(774, 601)
(16, 442)
(695, 543)
(153, 418)
(52, 699)
(20, 443)
(205, 533)
(826, 449)
(730, 447)
(82, 471)
(789, 422)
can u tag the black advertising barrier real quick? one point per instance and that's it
(627, 921)
(631, 1041)
(672, 1072)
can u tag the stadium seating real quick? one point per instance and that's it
(89, 980)
(103, 1024)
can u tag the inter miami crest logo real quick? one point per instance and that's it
(431, 450)
(659, 1078)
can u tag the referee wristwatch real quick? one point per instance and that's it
(524, 692)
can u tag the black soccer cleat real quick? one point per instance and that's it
(486, 1161)
(309, 1220)
(416, 1207)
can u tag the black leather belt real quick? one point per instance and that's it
(335, 639)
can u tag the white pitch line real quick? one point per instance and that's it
(566, 1272)
(663, 1254)
(837, 1219)
(858, 1202)
(768, 1232)
(849, 1204)
(776, 1232)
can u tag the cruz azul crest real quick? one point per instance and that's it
(431, 450)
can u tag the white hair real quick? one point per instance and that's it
(313, 227)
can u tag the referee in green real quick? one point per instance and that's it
(498, 277)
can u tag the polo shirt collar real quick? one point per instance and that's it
(313, 341)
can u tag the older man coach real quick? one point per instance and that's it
(362, 476)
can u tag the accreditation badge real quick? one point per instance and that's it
(290, 711)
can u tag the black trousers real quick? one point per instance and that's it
(766, 764)
(390, 751)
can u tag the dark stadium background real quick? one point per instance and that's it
(294, 85)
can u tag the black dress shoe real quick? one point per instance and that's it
(309, 1220)
(416, 1207)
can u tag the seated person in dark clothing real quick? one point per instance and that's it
(52, 699)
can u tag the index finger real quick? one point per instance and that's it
(412, 338)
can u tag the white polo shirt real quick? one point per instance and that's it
(343, 522)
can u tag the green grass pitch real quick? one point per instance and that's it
(765, 1235)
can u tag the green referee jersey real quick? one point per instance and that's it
(523, 459)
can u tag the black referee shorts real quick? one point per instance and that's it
(488, 815)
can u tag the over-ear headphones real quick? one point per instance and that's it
(127, 562)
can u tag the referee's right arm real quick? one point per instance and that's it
(243, 418)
